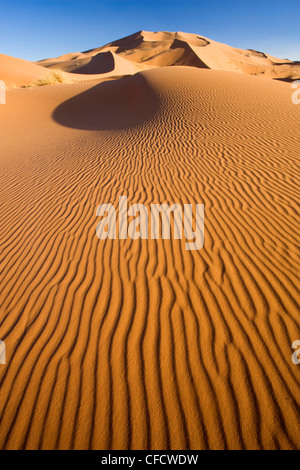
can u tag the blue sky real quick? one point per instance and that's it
(36, 29)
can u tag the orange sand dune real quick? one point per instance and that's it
(162, 49)
(130, 344)
(105, 63)
(18, 72)
(21, 73)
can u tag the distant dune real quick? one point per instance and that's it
(146, 50)
(141, 344)
(170, 49)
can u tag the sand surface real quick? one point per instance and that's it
(130, 344)
(18, 72)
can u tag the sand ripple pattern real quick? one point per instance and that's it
(123, 344)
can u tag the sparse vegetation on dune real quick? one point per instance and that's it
(56, 76)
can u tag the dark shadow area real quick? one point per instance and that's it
(179, 54)
(287, 79)
(205, 41)
(257, 53)
(112, 105)
(103, 62)
(128, 42)
(188, 56)
(297, 62)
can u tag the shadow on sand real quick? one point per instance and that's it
(103, 62)
(112, 105)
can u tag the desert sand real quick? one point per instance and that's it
(18, 72)
(168, 49)
(141, 344)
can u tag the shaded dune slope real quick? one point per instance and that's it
(128, 102)
(123, 344)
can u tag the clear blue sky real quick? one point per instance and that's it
(36, 29)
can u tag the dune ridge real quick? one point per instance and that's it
(146, 50)
(163, 48)
(130, 344)
(18, 72)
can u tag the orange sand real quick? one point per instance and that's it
(123, 344)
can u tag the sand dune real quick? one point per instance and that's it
(105, 63)
(18, 72)
(123, 344)
(147, 50)
(162, 49)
